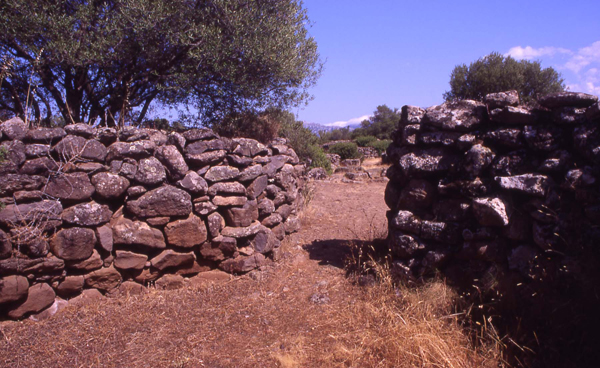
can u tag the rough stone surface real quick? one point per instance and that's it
(75, 187)
(110, 186)
(170, 282)
(13, 288)
(568, 99)
(126, 260)
(243, 264)
(221, 173)
(490, 211)
(73, 244)
(186, 233)
(171, 259)
(104, 235)
(104, 279)
(216, 223)
(532, 184)
(502, 99)
(459, 116)
(193, 183)
(163, 201)
(87, 214)
(128, 232)
(173, 161)
(150, 172)
(39, 296)
(70, 286)
(14, 129)
(241, 217)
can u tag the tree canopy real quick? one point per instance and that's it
(111, 60)
(497, 73)
(381, 124)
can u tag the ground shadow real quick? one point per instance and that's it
(334, 252)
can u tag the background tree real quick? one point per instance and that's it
(497, 73)
(381, 125)
(111, 59)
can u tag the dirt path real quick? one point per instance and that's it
(283, 315)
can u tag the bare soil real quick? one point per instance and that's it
(303, 311)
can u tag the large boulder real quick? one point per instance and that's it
(14, 129)
(244, 216)
(77, 148)
(11, 183)
(163, 201)
(171, 259)
(104, 279)
(70, 286)
(87, 214)
(150, 172)
(186, 233)
(513, 115)
(568, 99)
(137, 149)
(502, 99)
(13, 288)
(242, 264)
(125, 260)
(173, 161)
(221, 173)
(39, 166)
(490, 211)
(39, 297)
(73, 244)
(128, 232)
(75, 187)
(109, 185)
(193, 183)
(45, 213)
(531, 184)
(456, 116)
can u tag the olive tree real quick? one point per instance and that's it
(109, 60)
(496, 73)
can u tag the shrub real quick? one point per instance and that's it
(319, 158)
(364, 140)
(380, 146)
(346, 150)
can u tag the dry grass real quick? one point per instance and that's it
(266, 319)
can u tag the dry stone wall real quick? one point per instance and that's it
(496, 190)
(95, 208)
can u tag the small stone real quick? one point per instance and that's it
(71, 285)
(127, 232)
(531, 184)
(194, 183)
(250, 173)
(87, 214)
(163, 201)
(150, 172)
(243, 264)
(171, 259)
(229, 201)
(126, 260)
(242, 232)
(170, 282)
(103, 279)
(490, 211)
(94, 262)
(70, 187)
(104, 235)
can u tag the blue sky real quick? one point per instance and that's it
(402, 52)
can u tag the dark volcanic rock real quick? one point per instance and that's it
(242, 264)
(193, 135)
(490, 211)
(128, 232)
(568, 99)
(110, 186)
(221, 173)
(73, 244)
(138, 149)
(87, 214)
(13, 288)
(70, 187)
(150, 172)
(502, 99)
(38, 212)
(39, 296)
(417, 196)
(194, 183)
(10, 183)
(249, 147)
(241, 217)
(427, 162)
(44, 135)
(14, 129)
(186, 233)
(173, 161)
(219, 248)
(103, 279)
(80, 129)
(456, 116)
(171, 259)
(163, 201)
(126, 260)
(532, 184)
(513, 115)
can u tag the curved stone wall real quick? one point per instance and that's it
(84, 208)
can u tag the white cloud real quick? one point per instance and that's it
(352, 121)
(529, 52)
(581, 68)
